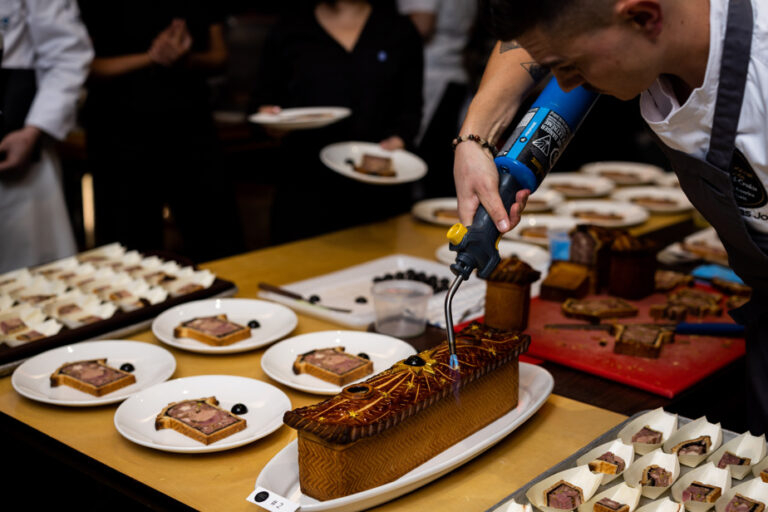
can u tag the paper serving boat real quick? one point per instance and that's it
(618, 448)
(707, 474)
(662, 505)
(760, 467)
(745, 445)
(697, 428)
(634, 473)
(621, 493)
(754, 489)
(580, 477)
(514, 506)
(658, 420)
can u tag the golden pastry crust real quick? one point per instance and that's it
(385, 400)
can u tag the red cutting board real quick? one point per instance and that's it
(681, 364)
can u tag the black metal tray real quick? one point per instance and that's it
(610, 435)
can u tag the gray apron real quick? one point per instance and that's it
(708, 185)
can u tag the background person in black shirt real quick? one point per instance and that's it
(150, 136)
(352, 53)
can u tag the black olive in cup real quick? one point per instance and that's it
(239, 409)
(127, 367)
(254, 324)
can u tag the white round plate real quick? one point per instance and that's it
(548, 221)
(135, 418)
(668, 179)
(427, 209)
(533, 255)
(543, 200)
(277, 361)
(152, 365)
(624, 173)
(301, 118)
(408, 166)
(678, 201)
(276, 321)
(595, 186)
(631, 214)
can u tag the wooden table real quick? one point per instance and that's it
(221, 481)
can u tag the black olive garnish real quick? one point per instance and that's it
(349, 161)
(364, 356)
(415, 361)
(358, 389)
(314, 299)
(239, 409)
(361, 300)
(254, 324)
(127, 367)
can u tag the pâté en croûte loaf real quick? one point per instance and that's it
(375, 431)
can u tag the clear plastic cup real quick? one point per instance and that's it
(559, 244)
(401, 307)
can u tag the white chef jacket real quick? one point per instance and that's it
(688, 127)
(443, 54)
(47, 36)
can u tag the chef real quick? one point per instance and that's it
(45, 62)
(701, 69)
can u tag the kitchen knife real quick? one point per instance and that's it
(293, 295)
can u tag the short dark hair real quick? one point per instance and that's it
(509, 19)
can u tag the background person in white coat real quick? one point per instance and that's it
(43, 40)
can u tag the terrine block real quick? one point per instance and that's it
(591, 246)
(215, 330)
(619, 498)
(654, 473)
(760, 470)
(633, 267)
(731, 287)
(668, 280)
(642, 340)
(34, 332)
(657, 420)
(697, 302)
(565, 490)
(377, 430)
(102, 253)
(375, 165)
(565, 280)
(739, 454)
(200, 419)
(596, 309)
(750, 496)
(700, 488)
(695, 441)
(94, 377)
(508, 294)
(610, 466)
(333, 365)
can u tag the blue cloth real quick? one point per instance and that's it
(710, 271)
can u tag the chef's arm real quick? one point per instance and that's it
(511, 73)
(104, 67)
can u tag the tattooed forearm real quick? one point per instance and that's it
(536, 70)
(505, 46)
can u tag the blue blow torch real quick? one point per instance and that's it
(524, 161)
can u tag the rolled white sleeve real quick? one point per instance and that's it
(63, 55)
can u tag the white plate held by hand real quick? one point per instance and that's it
(135, 418)
(301, 118)
(408, 167)
(384, 351)
(281, 474)
(152, 365)
(275, 321)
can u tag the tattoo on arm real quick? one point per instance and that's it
(505, 46)
(536, 70)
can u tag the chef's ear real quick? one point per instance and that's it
(644, 15)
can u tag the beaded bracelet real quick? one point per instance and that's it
(475, 138)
